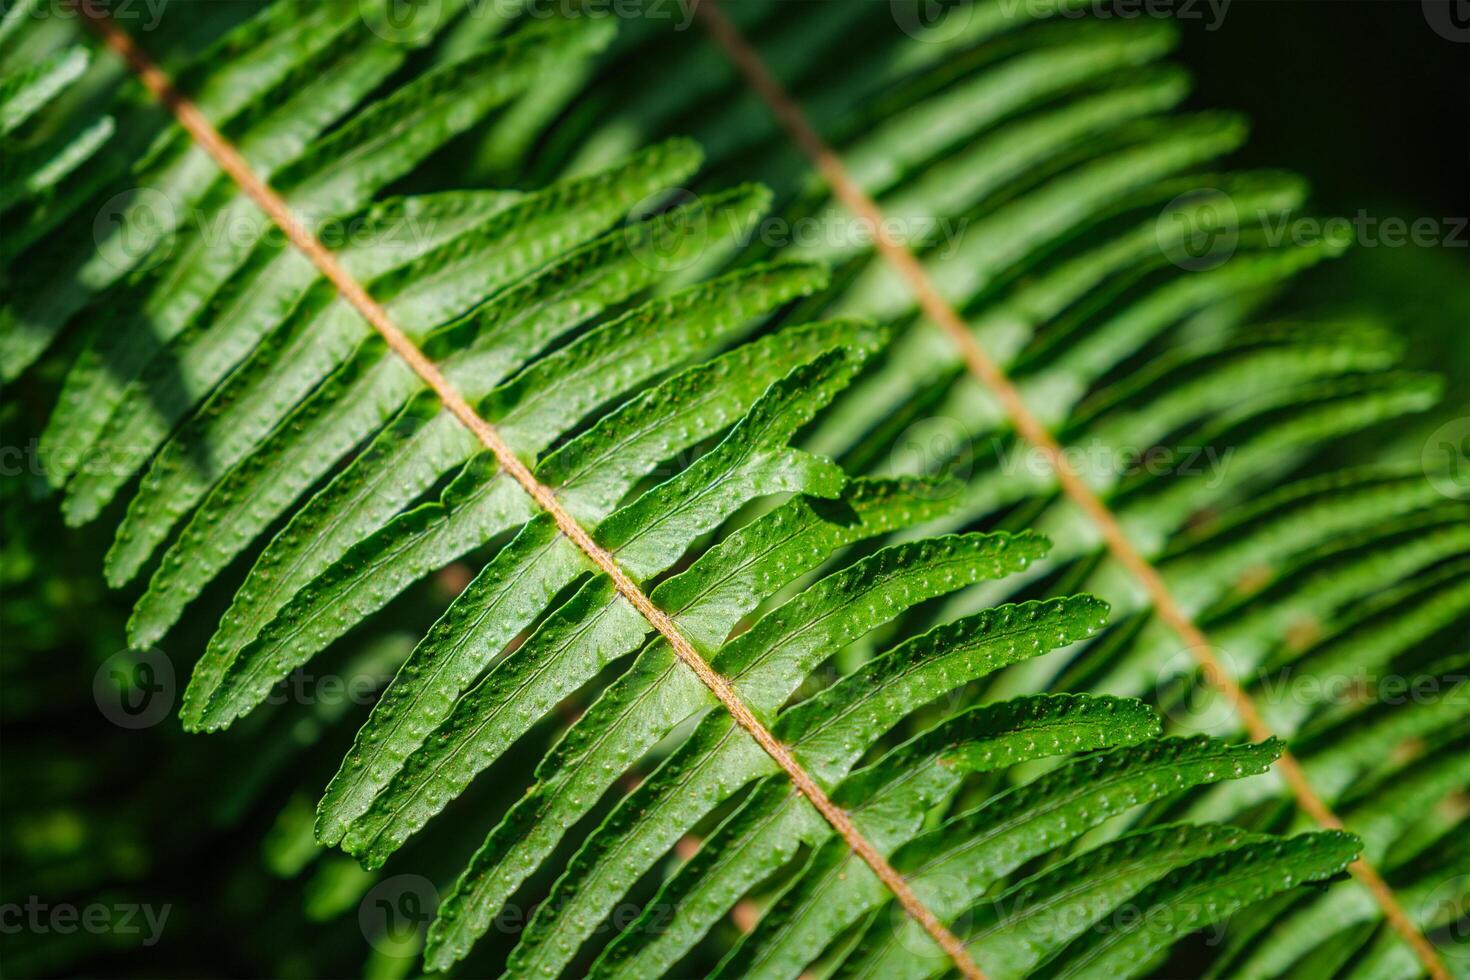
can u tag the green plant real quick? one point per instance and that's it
(668, 377)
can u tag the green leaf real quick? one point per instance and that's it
(205, 231)
(951, 866)
(260, 299)
(658, 691)
(23, 93)
(831, 731)
(1005, 236)
(891, 799)
(336, 175)
(596, 625)
(41, 169)
(1195, 896)
(923, 358)
(322, 334)
(765, 665)
(568, 384)
(1027, 923)
(477, 351)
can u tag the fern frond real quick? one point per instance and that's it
(721, 416)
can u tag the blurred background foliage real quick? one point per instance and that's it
(1362, 99)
